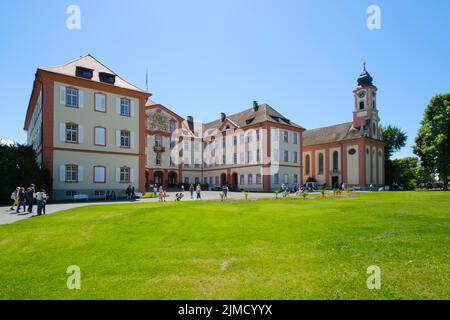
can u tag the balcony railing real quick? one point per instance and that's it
(159, 149)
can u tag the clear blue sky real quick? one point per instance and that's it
(205, 57)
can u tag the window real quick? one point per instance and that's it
(249, 136)
(71, 173)
(241, 179)
(320, 172)
(158, 141)
(224, 143)
(158, 159)
(276, 178)
(258, 179)
(286, 156)
(250, 179)
(275, 155)
(307, 165)
(249, 157)
(216, 180)
(295, 178)
(258, 134)
(99, 174)
(107, 77)
(124, 174)
(197, 180)
(172, 126)
(335, 160)
(374, 129)
(285, 136)
(71, 193)
(285, 178)
(352, 151)
(234, 158)
(295, 138)
(72, 97)
(71, 132)
(258, 155)
(84, 72)
(224, 159)
(100, 136)
(361, 105)
(234, 140)
(125, 138)
(124, 107)
(186, 180)
(100, 102)
(295, 157)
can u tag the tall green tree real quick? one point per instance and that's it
(408, 172)
(395, 139)
(433, 139)
(18, 167)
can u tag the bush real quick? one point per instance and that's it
(18, 167)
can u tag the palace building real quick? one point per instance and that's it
(96, 132)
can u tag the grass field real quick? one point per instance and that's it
(286, 249)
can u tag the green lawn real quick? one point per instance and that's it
(286, 249)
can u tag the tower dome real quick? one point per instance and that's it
(365, 79)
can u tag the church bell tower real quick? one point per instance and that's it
(365, 114)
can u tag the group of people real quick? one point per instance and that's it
(131, 193)
(25, 198)
(198, 191)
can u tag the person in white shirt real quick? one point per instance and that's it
(41, 198)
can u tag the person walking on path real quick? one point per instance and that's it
(128, 192)
(199, 190)
(133, 193)
(161, 194)
(21, 200)
(191, 190)
(155, 190)
(40, 201)
(29, 197)
(225, 191)
(15, 198)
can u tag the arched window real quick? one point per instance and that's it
(307, 165)
(361, 105)
(157, 141)
(335, 160)
(320, 164)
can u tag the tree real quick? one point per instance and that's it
(433, 139)
(408, 172)
(395, 139)
(18, 167)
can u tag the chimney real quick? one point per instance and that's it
(190, 122)
(255, 106)
(223, 116)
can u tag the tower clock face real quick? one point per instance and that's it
(362, 94)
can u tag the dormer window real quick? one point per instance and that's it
(107, 77)
(84, 72)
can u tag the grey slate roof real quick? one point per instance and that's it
(339, 132)
(251, 117)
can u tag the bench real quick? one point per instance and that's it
(80, 197)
